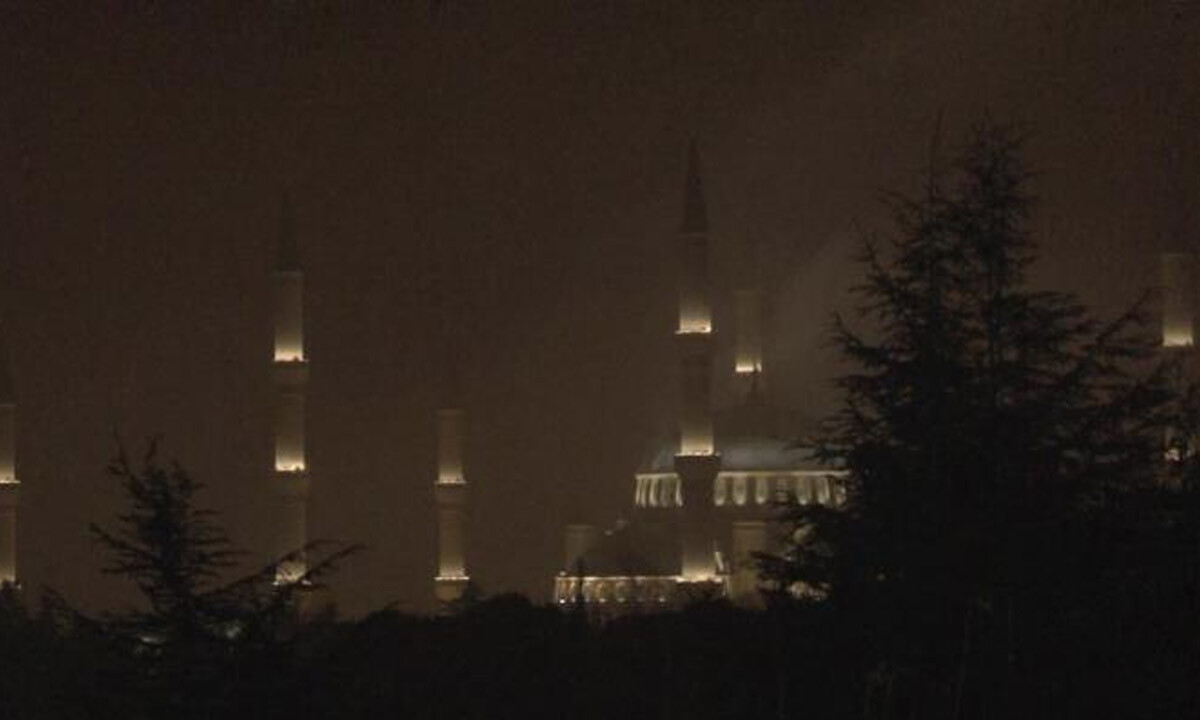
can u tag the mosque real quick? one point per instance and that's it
(701, 502)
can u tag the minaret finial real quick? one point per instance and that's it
(289, 252)
(695, 216)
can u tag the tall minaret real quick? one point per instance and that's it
(290, 374)
(9, 485)
(748, 324)
(450, 491)
(696, 461)
(1177, 322)
(1178, 330)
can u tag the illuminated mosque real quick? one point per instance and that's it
(702, 501)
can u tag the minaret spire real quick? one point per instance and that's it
(9, 484)
(290, 374)
(696, 462)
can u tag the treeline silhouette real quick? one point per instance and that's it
(1018, 537)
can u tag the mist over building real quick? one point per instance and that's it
(509, 180)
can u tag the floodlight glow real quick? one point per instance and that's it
(1177, 301)
(290, 572)
(289, 354)
(1177, 337)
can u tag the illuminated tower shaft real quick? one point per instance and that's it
(1177, 323)
(694, 336)
(9, 486)
(696, 462)
(1178, 338)
(290, 375)
(450, 491)
(748, 350)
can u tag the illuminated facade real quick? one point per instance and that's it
(704, 499)
(290, 376)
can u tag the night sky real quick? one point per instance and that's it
(494, 187)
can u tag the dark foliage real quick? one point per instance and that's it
(1012, 544)
(1003, 454)
(199, 645)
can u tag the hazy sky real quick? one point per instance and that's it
(500, 181)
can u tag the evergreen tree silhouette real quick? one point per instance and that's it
(202, 645)
(984, 426)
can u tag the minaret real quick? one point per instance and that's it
(748, 352)
(696, 461)
(450, 492)
(1178, 337)
(748, 326)
(290, 375)
(1177, 323)
(9, 485)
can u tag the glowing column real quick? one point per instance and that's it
(695, 308)
(450, 491)
(9, 486)
(694, 335)
(290, 374)
(696, 463)
(748, 352)
(1177, 328)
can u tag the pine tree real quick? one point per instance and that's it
(983, 425)
(173, 551)
(202, 644)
